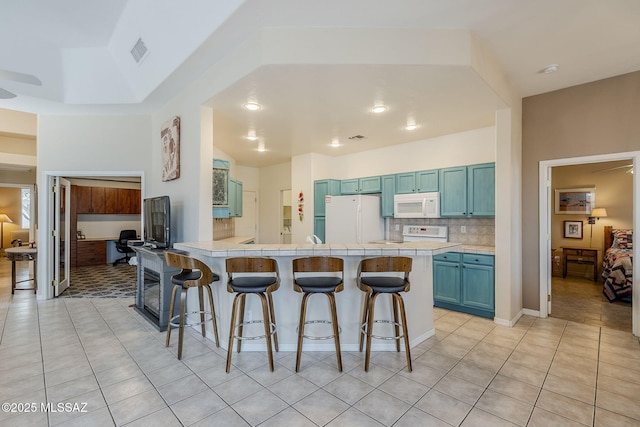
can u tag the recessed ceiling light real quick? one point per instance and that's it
(251, 135)
(335, 142)
(551, 68)
(379, 108)
(252, 106)
(261, 147)
(412, 126)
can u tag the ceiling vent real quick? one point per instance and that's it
(357, 137)
(139, 50)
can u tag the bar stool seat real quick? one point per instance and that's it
(194, 273)
(328, 282)
(369, 281)
(252, 280)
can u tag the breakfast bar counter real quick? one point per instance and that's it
(418, 301)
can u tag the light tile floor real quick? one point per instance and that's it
(542, 372)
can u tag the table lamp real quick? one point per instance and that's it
(3, 218)
(596, 213)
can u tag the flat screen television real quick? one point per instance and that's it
(157, 222)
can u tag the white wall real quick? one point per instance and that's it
(272, 180)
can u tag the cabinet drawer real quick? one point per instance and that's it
(448, 256)
(478, 259)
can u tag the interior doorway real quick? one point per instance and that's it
(546, 204)
(285, 216)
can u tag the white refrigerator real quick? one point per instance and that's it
(353, 219)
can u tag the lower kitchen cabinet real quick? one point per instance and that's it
(464, 282)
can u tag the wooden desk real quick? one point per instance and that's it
(587, 256)
(23, 253)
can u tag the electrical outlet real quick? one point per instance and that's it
(397, 227)
(463, 228)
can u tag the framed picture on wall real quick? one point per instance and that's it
(575, 200)
(170, 135)
(573, 229)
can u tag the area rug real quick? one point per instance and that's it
(102, 281)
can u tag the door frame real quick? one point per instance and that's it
(45, 272)
(545, 209)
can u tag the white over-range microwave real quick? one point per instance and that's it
(416, 205)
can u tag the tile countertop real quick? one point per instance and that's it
(222, 249)
(238, 240)
(476, 249)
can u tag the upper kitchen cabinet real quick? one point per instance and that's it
(235, 198)
(91, 200)
(481, 185)
(122, 201)
(388, 184)
(322, 188)
(368, 185)
(468, 191)
(417, 182)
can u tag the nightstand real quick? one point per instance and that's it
(580, 256)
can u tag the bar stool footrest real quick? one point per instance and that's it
(363, 330)
(208, 319)
(272, 326)
(314, 337)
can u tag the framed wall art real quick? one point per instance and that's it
(575, 200)
(170, 135)
(573, 229)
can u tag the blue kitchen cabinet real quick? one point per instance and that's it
(318, 227)
(446, 278)
(417, 182)
(465, 283)
(367, 185)
(388, 184)
(235, 198)
(322, 188)
(481, 186)
(468, 191)
(453, 192)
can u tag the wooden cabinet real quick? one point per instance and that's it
(468, 191)
(83, 199)
(417, 182)
(367, 185)
(464, 282)
(101, 200)
(91, 252)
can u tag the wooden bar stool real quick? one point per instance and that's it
(252, 275)
(371, 281)
(327, 284)
(194, 273)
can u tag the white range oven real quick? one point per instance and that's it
(433, 233)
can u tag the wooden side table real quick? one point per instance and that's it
(587, 256)
(23, 253)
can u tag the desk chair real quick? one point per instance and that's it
(374, 279)
(122, 247)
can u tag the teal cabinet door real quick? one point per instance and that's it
(481, 187)
(322, 188)
(405, 183)
(453, 192)
(318, 227)
(237, 202)
(369, 185)
(478, 286)
(388, 184)
(427, 181)
(446, 282)
(349, 186)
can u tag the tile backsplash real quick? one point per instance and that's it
(480, 231)
(223, 228)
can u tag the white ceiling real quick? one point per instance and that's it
(80, 52)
